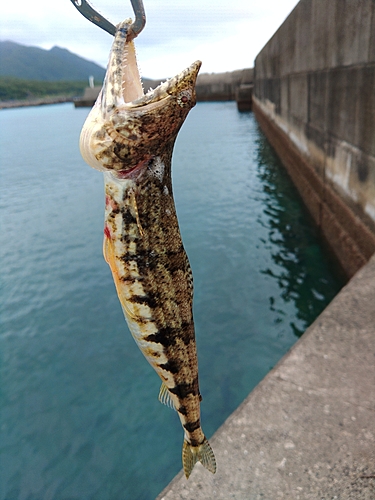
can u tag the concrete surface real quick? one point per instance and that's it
(307, 431)
(315, 78)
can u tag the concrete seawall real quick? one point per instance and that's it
(314, 97)
(223, 86)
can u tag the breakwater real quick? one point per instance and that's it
(229, 86)
(314, 98)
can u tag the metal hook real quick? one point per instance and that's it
(89, 13)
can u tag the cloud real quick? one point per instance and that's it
(224, 34)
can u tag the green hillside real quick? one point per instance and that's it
(31, 72)
(17, 88)
(56, 64)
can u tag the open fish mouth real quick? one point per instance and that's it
(125, 124)
(123, 85)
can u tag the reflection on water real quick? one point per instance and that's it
(293, 244)
(80, 417)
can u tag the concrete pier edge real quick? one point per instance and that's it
(350, 241)
(307, 431)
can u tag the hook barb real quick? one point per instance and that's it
(92, 15)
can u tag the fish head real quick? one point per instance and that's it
(127, 128)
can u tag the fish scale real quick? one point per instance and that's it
(161, 285)
(130, 137)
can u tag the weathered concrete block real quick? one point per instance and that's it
(269, 89)
(244, 97)
(284, 97)
(322, 40)
(318, 100)
(285, 47)
(319, 35)
(342, 103)
(362, 181)
(371, 51)
(298, 98)
(303, 52)
(365, 97)
(352, 28)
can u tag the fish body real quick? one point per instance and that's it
(130, 137)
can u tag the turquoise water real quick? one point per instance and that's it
(80, 418)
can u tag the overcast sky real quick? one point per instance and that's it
(224, 34)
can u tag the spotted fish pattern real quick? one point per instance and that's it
(130, 136)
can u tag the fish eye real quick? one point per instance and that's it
(184, 98)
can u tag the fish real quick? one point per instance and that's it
(129, 136)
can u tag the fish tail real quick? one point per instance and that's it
(202, 453)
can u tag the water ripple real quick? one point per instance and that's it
(80, 416)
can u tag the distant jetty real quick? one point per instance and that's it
(230, 86)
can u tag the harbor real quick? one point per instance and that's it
(274, 183)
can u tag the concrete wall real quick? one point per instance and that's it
(222, 86)
(314, 96)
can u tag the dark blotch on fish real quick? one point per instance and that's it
(183, 390)
(192, 426)
(172, 366)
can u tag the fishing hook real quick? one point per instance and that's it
(92, 15)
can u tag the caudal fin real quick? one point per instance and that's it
(202, 453)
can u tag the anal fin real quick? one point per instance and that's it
(165, 397)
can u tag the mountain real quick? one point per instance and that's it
(33, 63)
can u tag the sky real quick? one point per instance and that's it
(224, 34)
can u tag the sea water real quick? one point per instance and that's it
(79, 413)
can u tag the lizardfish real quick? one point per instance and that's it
(129, 136)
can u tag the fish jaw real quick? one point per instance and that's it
(126, 127)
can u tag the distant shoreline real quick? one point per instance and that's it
(21, 103)
(229, 86)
